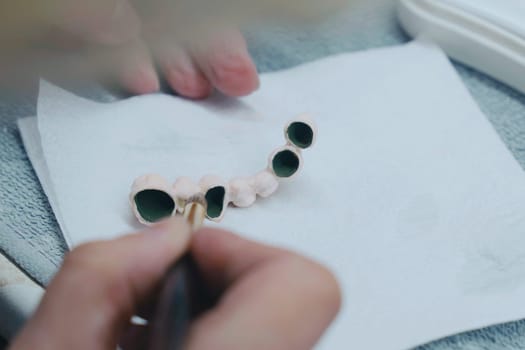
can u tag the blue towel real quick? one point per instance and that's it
(28, 231)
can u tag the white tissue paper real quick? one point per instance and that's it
(409, 196)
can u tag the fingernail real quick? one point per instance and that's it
(150, 80)
(141, 81)
(188, 82)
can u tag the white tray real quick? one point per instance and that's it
(485, 34)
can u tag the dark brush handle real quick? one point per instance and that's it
(183, 297)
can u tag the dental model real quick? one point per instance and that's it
(301, 132)
(285, 162)
(183, 189)
(243, 193)
(216, 194)
(153, 199)
(265, 183)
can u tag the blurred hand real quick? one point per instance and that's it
(270, 298)
(116, 40)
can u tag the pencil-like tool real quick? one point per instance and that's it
(184, 295)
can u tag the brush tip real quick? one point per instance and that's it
(197, 199)
(195, 211)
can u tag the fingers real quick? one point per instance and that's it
(227, 64)
(193, 72)
(107, 22)
(181, 72)
(274, 299)
(194, 69)
(136, 71)
(90, 301)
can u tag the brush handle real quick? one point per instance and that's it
(183, 297)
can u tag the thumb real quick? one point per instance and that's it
(90, 301)
(107, 22)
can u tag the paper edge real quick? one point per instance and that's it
(28, 127)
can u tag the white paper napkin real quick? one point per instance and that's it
(409, 196)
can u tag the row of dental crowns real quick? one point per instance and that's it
(153, 198)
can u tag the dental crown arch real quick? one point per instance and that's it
(153, 198)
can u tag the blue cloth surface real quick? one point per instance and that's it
(28, 231)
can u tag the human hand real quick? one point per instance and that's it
(269, 298)
(124, 42)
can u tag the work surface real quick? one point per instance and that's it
(30, 228)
